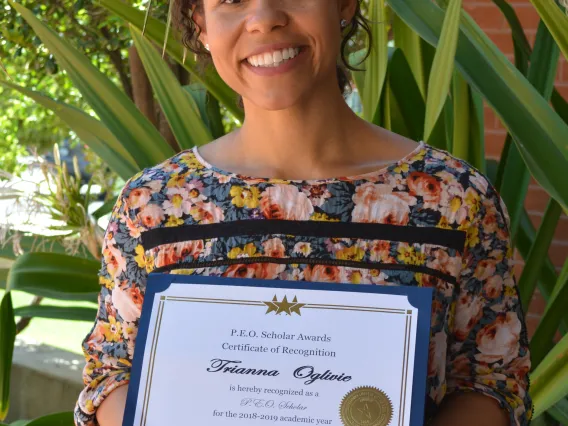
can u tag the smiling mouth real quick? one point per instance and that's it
(274, 59)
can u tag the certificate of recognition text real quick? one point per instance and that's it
(254, 354)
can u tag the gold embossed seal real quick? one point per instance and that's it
(366, 406)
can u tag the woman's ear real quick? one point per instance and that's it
(199, 21)
(347, 9)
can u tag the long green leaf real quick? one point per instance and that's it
(521, 43)
(560, 105)
(18, 423)
(545, 234)
(398, 123)
(7, 339)
(209, 108)
(55, 276)
(67, 313)
(115, 109)
(3, 278)
(514, 185)
(90, 131)
(556, 21)
(547, 277)
(179, 108)
(549, 381)
(462, 115)
(443, 67)
(35, 243)
(539, 132)
(376, 64)
(542, 340)
(476, 155)
(155, 31)
(560, 411)
(409, 42)
(57, 419)
(106, 208)
(355, 60)
(407, 95)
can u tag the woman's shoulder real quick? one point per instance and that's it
(166, 177)
(452, 177)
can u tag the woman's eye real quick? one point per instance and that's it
(230, 1)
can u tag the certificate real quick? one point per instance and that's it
(223, 351)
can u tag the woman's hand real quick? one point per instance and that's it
(111, 411)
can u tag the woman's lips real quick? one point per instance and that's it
(284, 67)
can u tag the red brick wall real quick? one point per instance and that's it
(491, 20)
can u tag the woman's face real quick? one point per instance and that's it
(274, 52)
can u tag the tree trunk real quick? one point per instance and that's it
(141, 88)
(144, 95)
(164, 126)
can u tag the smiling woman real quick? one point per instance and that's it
(305, 190)
(183, 11)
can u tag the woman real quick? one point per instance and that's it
(294, 180)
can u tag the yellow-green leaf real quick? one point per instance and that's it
(114, 108)
(442, 68)
(377, 62)
(179, 107)
(156, 31)
(556, 21)
(90, 131)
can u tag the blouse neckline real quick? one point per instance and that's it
(365, 176)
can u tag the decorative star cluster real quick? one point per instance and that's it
(284, 306)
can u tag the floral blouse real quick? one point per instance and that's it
(428, 220)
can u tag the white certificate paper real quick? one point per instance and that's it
(214, 351)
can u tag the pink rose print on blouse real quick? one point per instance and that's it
(377, 203)
(493, 287)
(274, 248)
(139, 197)
(151, 215)
(324, 273)
(285, 202)
(425, 186)
(499, 341)
(207, 213)
(437, 355)
(241, 271)
(127, 301)
(114, 260)
(468, 313)
(268, 271)
(176, 252)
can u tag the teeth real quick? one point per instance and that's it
(274, 59)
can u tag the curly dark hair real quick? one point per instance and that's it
(190, 31)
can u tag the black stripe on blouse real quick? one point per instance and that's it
(369, 231)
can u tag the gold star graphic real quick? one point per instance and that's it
(284, 306)
(272, 306)
(296, 307)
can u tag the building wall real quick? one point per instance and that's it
(491, 20)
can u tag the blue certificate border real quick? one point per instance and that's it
(159, 282)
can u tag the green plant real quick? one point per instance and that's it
(408, 86)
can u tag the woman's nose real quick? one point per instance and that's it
(266, 16)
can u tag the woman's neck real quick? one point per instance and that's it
(310, 136)
(320, 137)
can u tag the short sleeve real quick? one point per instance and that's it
(489, 347)
(109, 346)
